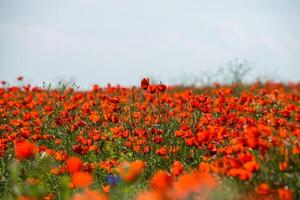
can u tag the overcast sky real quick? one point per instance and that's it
(97, 41)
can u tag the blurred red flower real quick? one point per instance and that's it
(25, 150)
(74, 164)
(81, 179)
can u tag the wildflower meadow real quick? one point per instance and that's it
(150, 142)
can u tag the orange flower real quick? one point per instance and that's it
(161, 151)
(283, 166)
(145, 83)
(56, 171)
(149, 195)
(32, 181)
(204, 167)
(129, 171)
(193, 183)
(263, 189)
(73, 164)
(89, 195)
(285, 194)
(49, 196)
(161, 181)
(25, 150)
(60, 155)
(26, 198)
(94, 117)
(106, 188)
(82, 179)
(251, 166)
(177, 168)
(244, 175)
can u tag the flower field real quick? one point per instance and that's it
(152, 142)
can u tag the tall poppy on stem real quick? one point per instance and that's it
(145, 83)
(161, 87)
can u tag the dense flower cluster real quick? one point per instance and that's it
(172, 142)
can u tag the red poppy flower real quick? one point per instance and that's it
(285, 194)
(73, 164)
(82, 179)
(145, 83)
(177, 168)
(161, 87)
(152, 89)
(25, 150)
(263, 189)
(161, 181)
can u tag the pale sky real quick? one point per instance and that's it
(97, 41)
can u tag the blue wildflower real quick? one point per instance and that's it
(113, 179)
